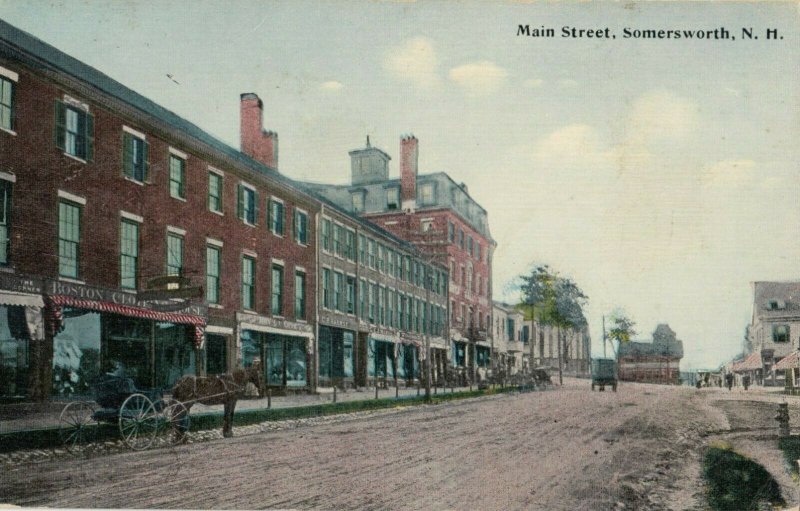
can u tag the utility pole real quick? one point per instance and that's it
(558, 338)
(604, 337)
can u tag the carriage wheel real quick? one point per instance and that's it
(173, 423)
(76, 425)
(138, 422)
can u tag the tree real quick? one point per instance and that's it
(553, 300)
(622, 329)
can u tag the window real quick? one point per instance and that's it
(6, 103)
(174, 254)
(215, 192)
(248, 282)
(373, 298)
(350, 245)
(276, 217)
(128, 253)
(389, 262)
(351, 295)
(338, 291)
(326, 235)
(381, 256)
(177, 176)
(358, 201)
(134, 157)
(427, 225)
(510, 329)
(780, 333)
(69, 234)
(301, 227)
(74, 131)
(427, 194)
(299, 295)
(451, 232)
(212, 274)
(277, 290)
(461, 238)
(362, 249)
(5, 221)
(338, 242)
(470, 246)
(362, 298)
(326, 288)
(372, 250)
(247, 204)
(393, 198)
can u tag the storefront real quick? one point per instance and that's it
(483, 355)
(336, 356)
(97, 332)
(285, 347)
(21, 337)
(381, 358)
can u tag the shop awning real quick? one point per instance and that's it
(751, 363)
(22, 300)
(790, 361)
(57, 302)
(26, 322)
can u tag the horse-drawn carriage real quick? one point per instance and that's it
(145, 416)
(141, 415)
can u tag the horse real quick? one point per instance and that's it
(224, 389)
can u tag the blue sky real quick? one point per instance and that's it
(660, 175)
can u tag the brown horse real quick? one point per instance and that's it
(224, 389)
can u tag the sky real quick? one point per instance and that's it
(658, 174)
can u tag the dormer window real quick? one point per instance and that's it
(393, 198)
(427, 194)
(358, 201)
(776, 305)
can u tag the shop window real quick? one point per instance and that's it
(174, 354)
(127, 349)
(14, 352)
(285, 360)
(5, 221)
(76, 354)
(381, 359)
(216, 354)
(74, 131)
(69, 232)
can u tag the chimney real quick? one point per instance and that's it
(256, 142)
(409, 153)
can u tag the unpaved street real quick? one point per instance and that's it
(567, 448)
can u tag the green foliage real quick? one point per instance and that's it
(737, 483)
(622, 327)
(552, 299)
(790, 446)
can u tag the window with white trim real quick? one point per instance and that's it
(5, 220)
(134, 157)
(300, 227)
(215, 192)
(299, 295)
(177, 177)
(247, 204)
(74, 131)
(277, 290)
(174, 254)
(213, 263)
(7, 112)
(69, 236)
(277, 216)
(128, 253)
(248, 282)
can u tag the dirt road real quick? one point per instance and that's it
(567, 448)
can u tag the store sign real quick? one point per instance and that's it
(279, 323)
(334, 321)
(21, 284)
(57, 287)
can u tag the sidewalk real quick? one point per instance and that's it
(30, 416)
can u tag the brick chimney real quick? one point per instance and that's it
(409, 153)
(256, 142)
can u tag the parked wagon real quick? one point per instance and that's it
(141, 415)
(604, 372)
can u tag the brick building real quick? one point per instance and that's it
(440, 218)
(102, 192)
(652, 362)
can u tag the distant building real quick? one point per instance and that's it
(440, 218)
(652, 362)
(507, 338)
(773, 333)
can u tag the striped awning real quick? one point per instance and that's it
(57, 302)
(790, 361)
(751, 363)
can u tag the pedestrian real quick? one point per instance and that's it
(729, 381)
(746, 381)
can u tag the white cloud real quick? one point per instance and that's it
(533, 83)
(730, 173)
(415, 62)
(479, 78)
(662, 114)
(331, 85)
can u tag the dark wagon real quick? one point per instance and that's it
(141, 415)
(604, 372)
